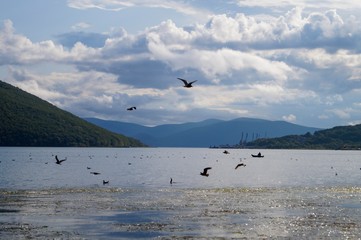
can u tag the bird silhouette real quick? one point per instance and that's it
(105, 182)
(226, 152)
(205, 171)
(186, 83)
(240, 165)
(131, 108)
(94, 173)
(59, 161)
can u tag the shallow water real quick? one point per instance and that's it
(286, 194)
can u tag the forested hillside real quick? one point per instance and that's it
(26, 120)
(341, 137)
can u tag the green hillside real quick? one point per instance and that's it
(342, 137)
(26, 120)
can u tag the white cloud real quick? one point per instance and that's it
(289, 118)
(117, 5)
(342, 113)
(80, 26)
(337, 4)
(244, 64)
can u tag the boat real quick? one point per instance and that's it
(259, 155)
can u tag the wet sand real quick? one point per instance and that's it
(106, 213)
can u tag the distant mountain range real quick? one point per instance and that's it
(206, 133)
(26, 120)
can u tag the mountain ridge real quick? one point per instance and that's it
(210, 132)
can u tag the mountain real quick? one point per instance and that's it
(26, 120)
(206, 133)
(340, 137)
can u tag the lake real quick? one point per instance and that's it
(287, 194)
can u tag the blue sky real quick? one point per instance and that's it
(298, 61)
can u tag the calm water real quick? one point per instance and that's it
(286, 194)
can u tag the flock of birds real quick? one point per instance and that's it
(59, 161)
(204, 173)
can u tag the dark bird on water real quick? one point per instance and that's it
(59, 161)
(225, 152)
(94, 173)
(186, 83)
(205, 172)
(240, 165)
(131, 108)
(105, 182)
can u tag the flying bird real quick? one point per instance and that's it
(131, 108)
(59, 161)
(205, 172)
(105, 182)
(240, 165)
(186, 83)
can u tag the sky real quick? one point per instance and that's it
(297, 61)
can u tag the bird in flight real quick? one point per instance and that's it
(205, 172)
(59, 161)
(131, 108)
(240, 165)
(105, 182)
(186, 83)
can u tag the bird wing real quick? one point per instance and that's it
(192, 82)
(206, 169)
(184, 81)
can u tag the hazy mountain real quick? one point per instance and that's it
(206, 133)
(26, 120)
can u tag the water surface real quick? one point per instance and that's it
(288, 193)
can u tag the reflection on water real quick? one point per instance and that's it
(173, 212)
(287, 194)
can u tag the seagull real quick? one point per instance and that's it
(240, 165)
(204, 173)
(105, 182)
(94, 173)
(59, 161)
(131, 108)
(186, 83)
